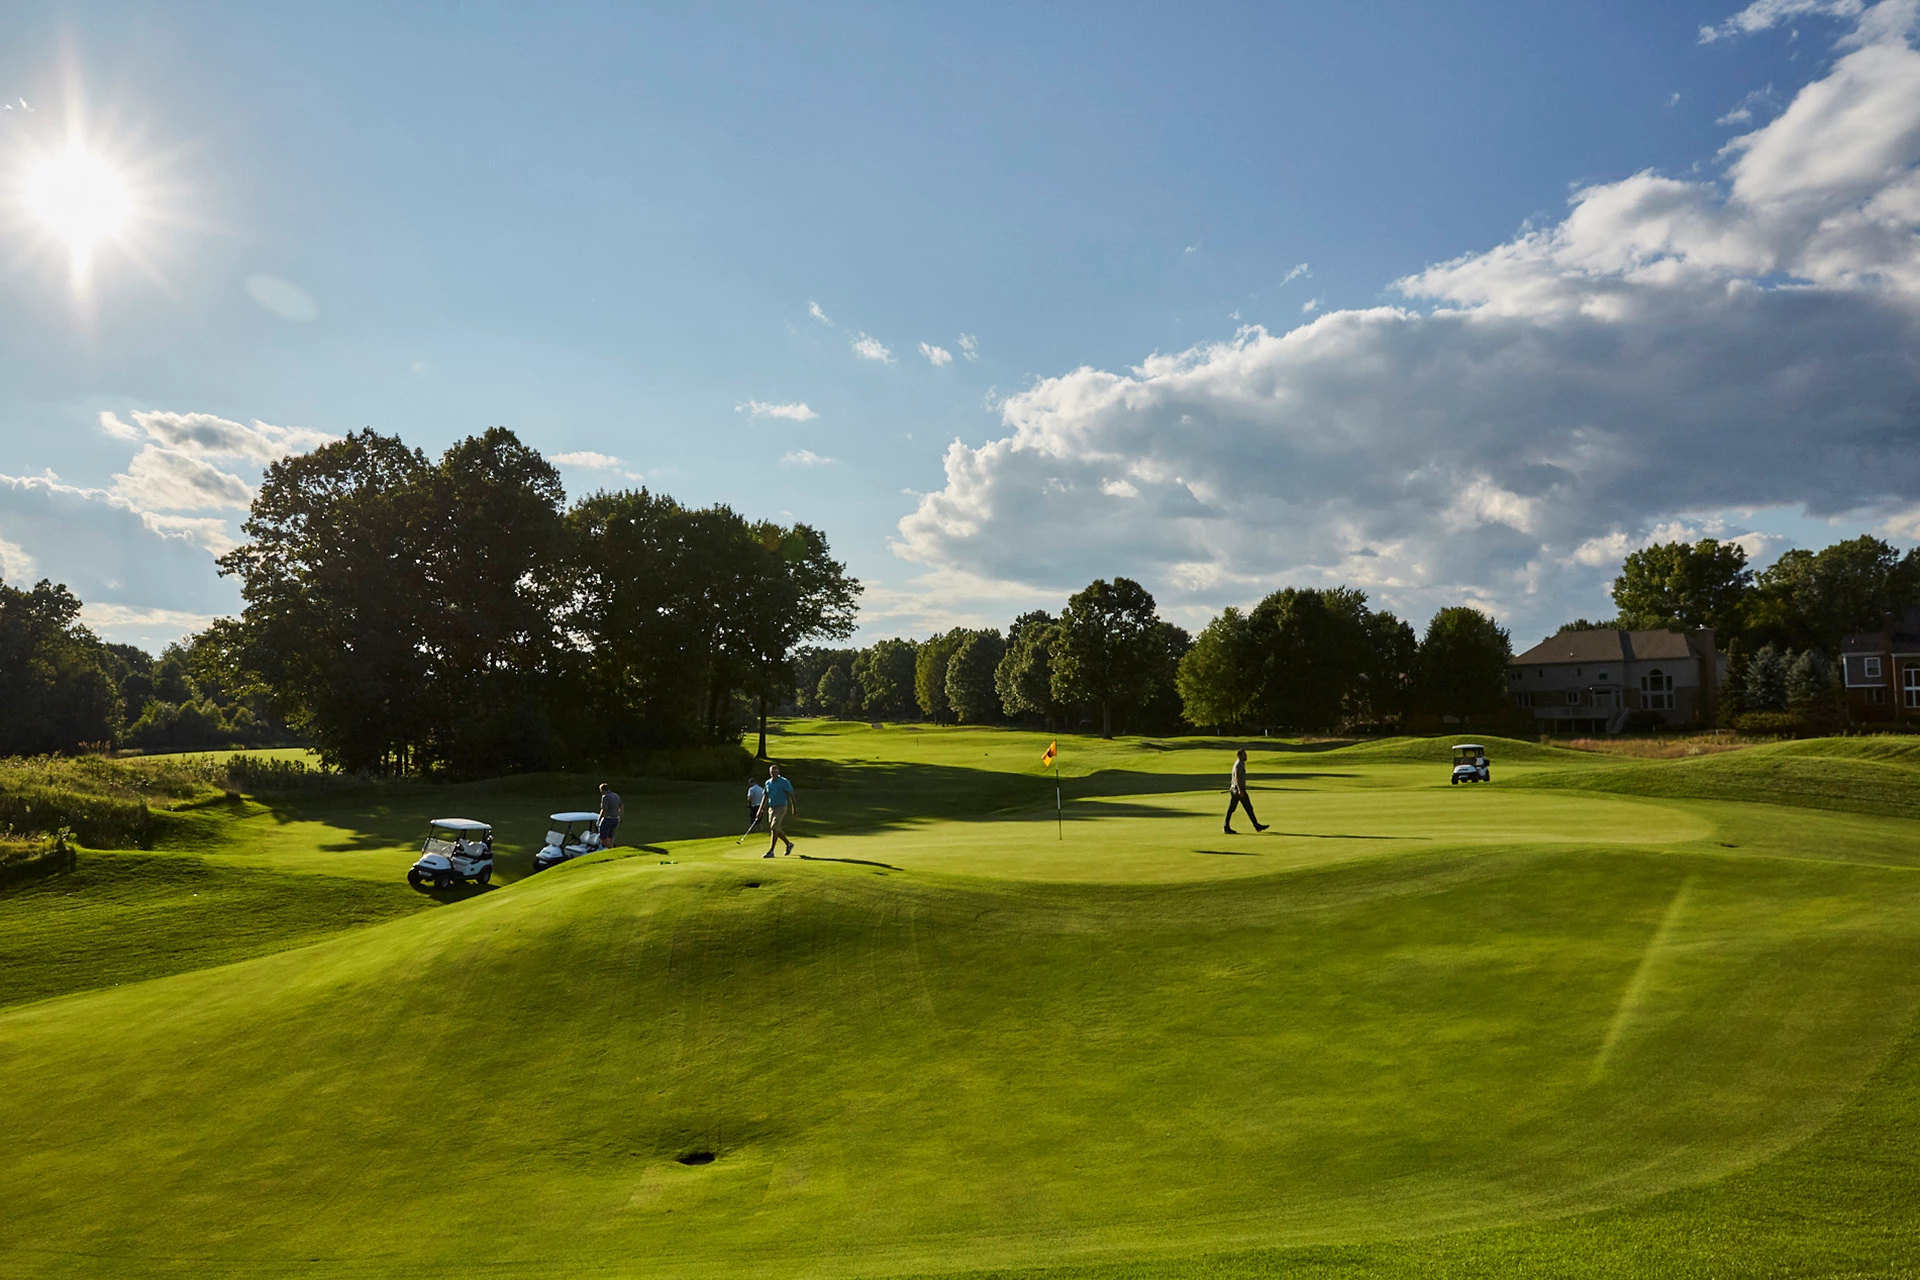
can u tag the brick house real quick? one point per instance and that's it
(1589, 682)
(1882, 672)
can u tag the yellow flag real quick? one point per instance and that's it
(1053, 749)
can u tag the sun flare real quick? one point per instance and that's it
(79, 198)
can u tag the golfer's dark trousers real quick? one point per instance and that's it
(1235, 798)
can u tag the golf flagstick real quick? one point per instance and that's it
(1047, 758)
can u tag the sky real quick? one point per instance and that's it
(1455, 304)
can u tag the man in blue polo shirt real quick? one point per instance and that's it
(778, 806)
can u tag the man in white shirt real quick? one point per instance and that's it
(755, 795)
(1237, 794)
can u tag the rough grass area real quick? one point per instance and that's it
(1590, 1019)
(104, 802)
(1682, 747)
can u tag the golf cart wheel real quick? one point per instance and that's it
(485, 876)
(413, 877)
(1486, 775)
(440, 880)
(1454, 780)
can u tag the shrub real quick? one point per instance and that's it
(1776, 724)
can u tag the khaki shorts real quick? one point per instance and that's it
(777, 820)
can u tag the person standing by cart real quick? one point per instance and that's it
(1237, 794)
(611, 811)
(778, 806)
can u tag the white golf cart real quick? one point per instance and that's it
(1470, 763)
(570, 835)
(456, 850)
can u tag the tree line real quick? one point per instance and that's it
(1781, 628)
(1307, 659)
(62, 688)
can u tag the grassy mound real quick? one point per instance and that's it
(1849, 775)
(1411, 1030)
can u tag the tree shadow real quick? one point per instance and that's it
(1229, 853)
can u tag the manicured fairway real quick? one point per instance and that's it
(1594, 1018)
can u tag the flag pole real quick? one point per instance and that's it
(1059, 821)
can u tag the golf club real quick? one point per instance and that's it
(749, 831)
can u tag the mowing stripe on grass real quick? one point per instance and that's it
(1637, 985)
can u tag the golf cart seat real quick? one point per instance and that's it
(436, 845)
(554, 838)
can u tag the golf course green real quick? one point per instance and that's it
(1601, 1016)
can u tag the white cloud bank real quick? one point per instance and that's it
(871, 348)
(1670, 347)
(936, 356)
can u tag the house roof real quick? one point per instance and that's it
(1905, 637)
(1606, 646)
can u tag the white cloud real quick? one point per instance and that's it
(15, 563)
(869, 348)
(166, 480)
(1742, 112)
(1673, 99)
(813, 309)
(283, 298)
(588, 460)
(805, 458)
(110, 553)
(1762, 15)
(1295, 272)
(205, 435)
(119, 617)
(1310, 306)
(1554, 401)
(936, 356)
(795, 411)
(969, 346)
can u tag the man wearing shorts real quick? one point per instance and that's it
(611, 811)
(778, 808)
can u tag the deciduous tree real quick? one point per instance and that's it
(1108, 648)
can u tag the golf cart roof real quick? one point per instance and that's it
(461, 824)
(1468, 746)
(573, 817)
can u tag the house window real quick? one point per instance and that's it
(1877, 696)
(1870, 668)
(1910, 685)
(1523, 699)
(1573, 697)
(1656, 691)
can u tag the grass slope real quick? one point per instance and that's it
(1551, 1028)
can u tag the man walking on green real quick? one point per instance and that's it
(778, 806)
(1237, 794)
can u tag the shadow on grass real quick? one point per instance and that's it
(838, 797)
(1229, 853)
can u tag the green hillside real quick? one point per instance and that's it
(1599, 1017)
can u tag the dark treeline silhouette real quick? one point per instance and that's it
(1317, 661)
(1781, 628)
(413, 615)
(62, 687)
(404, 614)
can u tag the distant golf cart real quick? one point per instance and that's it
(456, 850)
(1470, 763)
(571, 835)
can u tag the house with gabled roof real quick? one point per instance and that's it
(1881, 672)
(1590, 682)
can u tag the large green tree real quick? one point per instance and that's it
(56, 689)
(1813, 599)
(1108, 648)
(799, 593)
(886, 673)
(970, 672)
(1024, 678)
(1462, 668)
(1221, 677)
(1314, 652)
(341, 602)
(1683, 586)
(930, 663)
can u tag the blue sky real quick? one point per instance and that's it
(617, 229)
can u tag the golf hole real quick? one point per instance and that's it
(751, 884)
(696, 1157)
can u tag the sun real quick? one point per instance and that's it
(79, 198)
